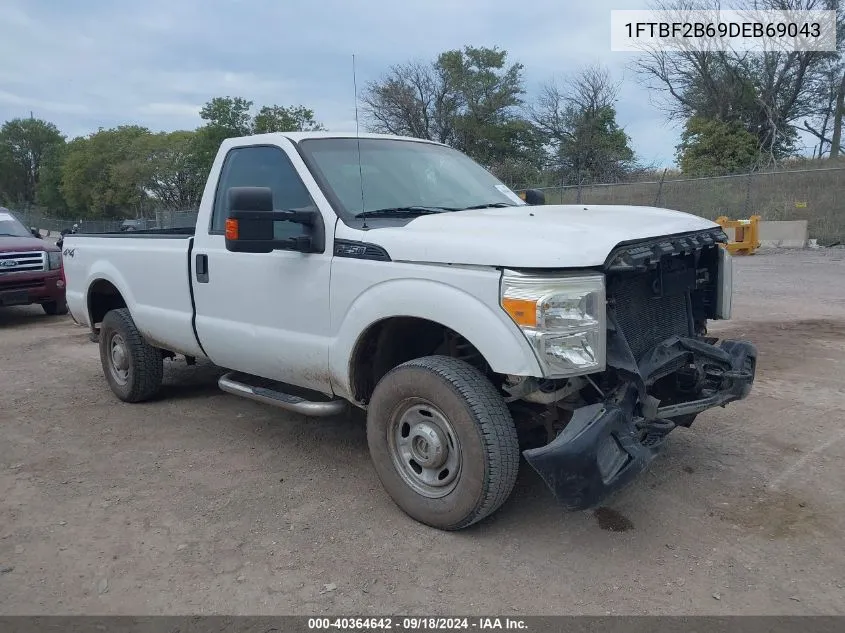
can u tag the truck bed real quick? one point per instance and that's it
(153, 269)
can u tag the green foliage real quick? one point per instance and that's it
(23, 146)
(487, 127)
(128, 169)
(597, 149)
(172, 177)
(225, 117)
(712, 147)
(467, 98)
(103, 175)
(771, 94)
(228, 113)
(48, 193)
(229, 117)
(281, 119)
(586, 144)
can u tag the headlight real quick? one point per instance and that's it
(724, 289)
(54, 260)
(564, 318)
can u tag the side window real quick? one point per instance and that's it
(261, 167)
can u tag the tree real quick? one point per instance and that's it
(468, 98)
(579, 121)
(413, 99)
(285, 119)
(105, 174)
(766, 93)
(23, 145)
(711, 147)
(225, 117)
(228, 117)
(229, 114)
(489, 127)
(822, 122)
(171, 175)
(48, 192)
(838, 113)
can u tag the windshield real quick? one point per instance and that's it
(398, 175)
(10, 226)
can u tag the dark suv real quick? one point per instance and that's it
(30, 268)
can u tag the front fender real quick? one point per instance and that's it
(487, 327)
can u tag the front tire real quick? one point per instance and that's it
(133, 368)
(442, 441)
(55, 308)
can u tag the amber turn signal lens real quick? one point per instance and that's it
(231, 229)
(523, 311)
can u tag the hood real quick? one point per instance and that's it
(548, 236)
(15, 244)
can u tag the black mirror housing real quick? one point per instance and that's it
(250, 199)
(249, 224)
(534, 197)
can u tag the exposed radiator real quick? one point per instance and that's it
(645, 317)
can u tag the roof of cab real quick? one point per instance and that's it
(302, 136)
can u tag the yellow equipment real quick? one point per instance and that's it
(746, 238)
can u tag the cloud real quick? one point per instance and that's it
(102, 63)
(168, 109)
(62, 107)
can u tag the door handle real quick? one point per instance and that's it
(202, 268)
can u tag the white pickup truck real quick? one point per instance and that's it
(398, 276)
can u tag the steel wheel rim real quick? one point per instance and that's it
(118, 358)
(424, 449)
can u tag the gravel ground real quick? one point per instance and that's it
(203, 503)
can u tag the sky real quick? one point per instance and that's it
(88, 64)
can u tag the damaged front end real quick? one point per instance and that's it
(662, 369)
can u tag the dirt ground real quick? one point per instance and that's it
(202, 502)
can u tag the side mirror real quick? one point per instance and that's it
(35, 232)
(249, 224)
(533, 197)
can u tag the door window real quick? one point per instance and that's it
(262, 166)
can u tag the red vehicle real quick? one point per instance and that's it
(30, 268)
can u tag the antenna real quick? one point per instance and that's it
(358, 137)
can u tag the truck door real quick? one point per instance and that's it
(265, 314)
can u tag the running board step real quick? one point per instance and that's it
(290, 402)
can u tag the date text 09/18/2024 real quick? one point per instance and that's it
(417, 623)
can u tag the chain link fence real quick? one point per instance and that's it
(163, 219)
(815, 195)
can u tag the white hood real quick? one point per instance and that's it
(548, 236)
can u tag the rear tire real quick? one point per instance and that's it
(132, 367)
(55, 308)
(442, 441)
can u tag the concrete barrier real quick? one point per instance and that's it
(784, 234)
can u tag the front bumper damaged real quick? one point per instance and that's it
(606, 445)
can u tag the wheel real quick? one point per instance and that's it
(54, 308)
(442, 441)
(133, 367)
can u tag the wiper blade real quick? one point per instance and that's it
(489, 205)
(403, 212)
